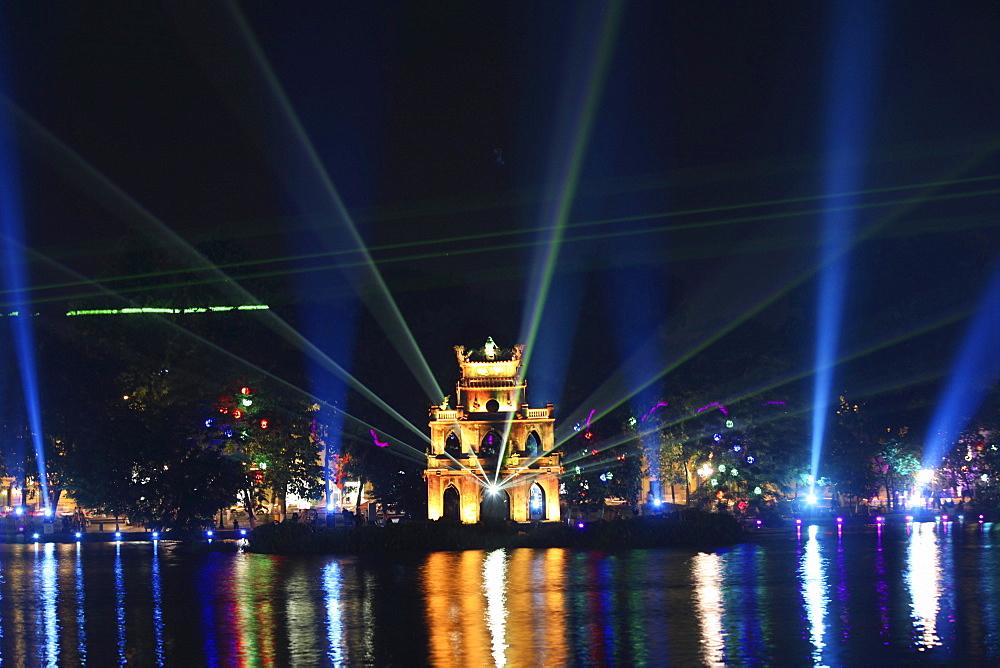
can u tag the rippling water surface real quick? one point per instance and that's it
(927, 592)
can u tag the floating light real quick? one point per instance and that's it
(156, 534)
(78, 535)
(811, 499)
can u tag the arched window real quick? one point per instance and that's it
(495, 505)
(452, 502)
(452, 445)
(536, 502)
(532, 446)
(490, 447)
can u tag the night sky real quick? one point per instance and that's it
(688, 148)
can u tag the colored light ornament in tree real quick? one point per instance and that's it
(737, 447)
(208, 422)
(247, 402)
(722, 467)
(742, 505)
(603, 477)
(729, 424)
(263, 424)
(244, 390)
(579, 470)
(237, 414)
(714, 481)
(717, 437)
(757, 490)
(734, 472)
(228, 433)
(631, 422)
(750, 459)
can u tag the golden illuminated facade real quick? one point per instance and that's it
(491, 454)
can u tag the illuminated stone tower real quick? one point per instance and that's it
(471, 472)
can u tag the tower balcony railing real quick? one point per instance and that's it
(536, 413)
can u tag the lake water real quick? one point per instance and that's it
(919, 593)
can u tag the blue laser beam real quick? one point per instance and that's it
(976, 368)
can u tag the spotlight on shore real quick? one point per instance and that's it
(811, 499)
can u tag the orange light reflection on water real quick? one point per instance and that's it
(496, 608)
(706, 571)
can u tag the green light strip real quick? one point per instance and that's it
(171, 311)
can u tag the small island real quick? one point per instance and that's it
(688, 528)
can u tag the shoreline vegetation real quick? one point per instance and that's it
(687, 528)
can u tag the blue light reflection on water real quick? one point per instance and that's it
(46, 620)
(334, 629)
(120, 604)
(812, 576)
(80, 599)
(156, 585)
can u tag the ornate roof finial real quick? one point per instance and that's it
(490, 349)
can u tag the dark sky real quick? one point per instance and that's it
(692, 142)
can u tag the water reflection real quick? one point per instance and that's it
(334, 629)
(120, 603)
(812, 576)
(47, 621)
(904, 597)
(706, 573)
(923, 578)
(495, 586)
(81, 608)
(156, 586)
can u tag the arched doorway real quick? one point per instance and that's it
(536, 502)
(495, 505)
(452, 503)
(453, 446)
